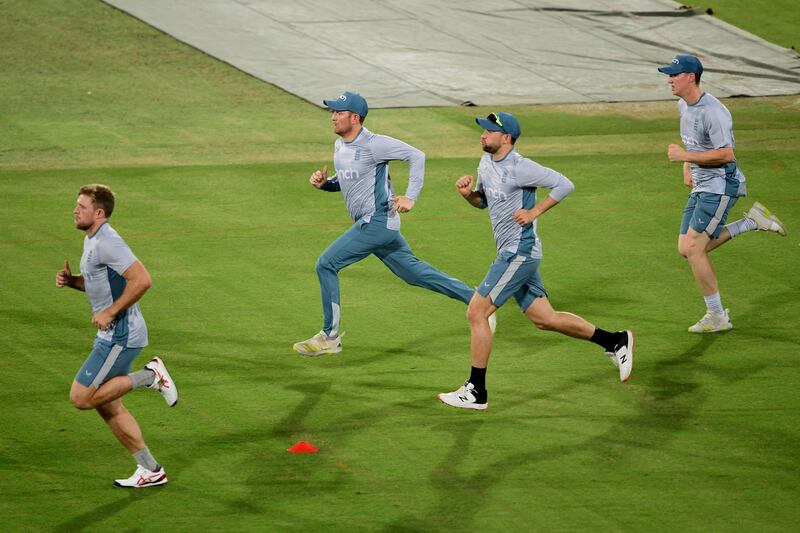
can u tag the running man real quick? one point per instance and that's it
(507, 185)
(361, 159)
(710, 169)
(114, 281)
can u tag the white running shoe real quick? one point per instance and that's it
(712, 323)
(493, 322)
(163, 382)
(623, 357)
(143, 478)
(765, 220)
(465, 397)
(319, 344)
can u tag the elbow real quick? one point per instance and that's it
(727, 156)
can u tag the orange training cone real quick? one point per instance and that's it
(303, 447)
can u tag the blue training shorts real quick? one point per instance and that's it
(706, 212)
(107, 360)
(513, 275)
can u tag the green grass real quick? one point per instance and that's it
(776, 21)
(210, 167)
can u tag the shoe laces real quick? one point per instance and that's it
(712, 319)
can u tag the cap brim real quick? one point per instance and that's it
(487, 124)
(336, 105)
(670, 69)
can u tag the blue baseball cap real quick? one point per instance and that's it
(349, 101)
(505, 122)
(683, 63)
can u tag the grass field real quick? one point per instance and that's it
(210, 167)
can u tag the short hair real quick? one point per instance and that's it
(697, 77)
(102, 197)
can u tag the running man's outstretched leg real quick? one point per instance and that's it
(408, 267)
(617, 345)
(354, 245)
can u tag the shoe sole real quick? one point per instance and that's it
(169, 378)
(630, 354)
(316, 354)
(474, 407)
(717, 330)
(767, 215)
(156, 484)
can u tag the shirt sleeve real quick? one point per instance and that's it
(115, 254)
(389, 149)
(720, 128)
(331, 185)
(532, 174)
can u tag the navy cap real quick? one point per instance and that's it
(505, 122)
(683, 63)
(349, 101)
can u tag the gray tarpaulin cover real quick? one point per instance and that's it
(401, 53)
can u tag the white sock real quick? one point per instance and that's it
(743, 225)
(145, 458)
(714, 304)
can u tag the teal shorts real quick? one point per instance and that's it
(513, 275)
(706, 212)
(107, 360)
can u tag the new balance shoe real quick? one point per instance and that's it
(712, 323)
(466, 397)
(623, 356)
(143, 478)
(163, 382)
(320, 344)
(765, 220)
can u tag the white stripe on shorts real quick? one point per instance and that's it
(106, 368)
(506, 277)
(723, 204)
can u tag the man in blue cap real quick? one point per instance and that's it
(506, 185)
(361, 160)
(710, 169)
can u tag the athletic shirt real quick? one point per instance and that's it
(707, 125)
(362, 174)
(509, 185)
(105, 259)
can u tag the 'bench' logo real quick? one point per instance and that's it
(347, 174)
(495, 194)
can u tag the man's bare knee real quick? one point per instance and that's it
(81, 402)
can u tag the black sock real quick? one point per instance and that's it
(477, 377)
(606, 339)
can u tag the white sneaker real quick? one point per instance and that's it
(712, 323)
(623, 357)
(493, 322)
(465, 397)
(319, 344)
(163, 382)
(765, 220)
(143, 478)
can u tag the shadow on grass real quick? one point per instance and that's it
(106, 511)
(669, 398)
